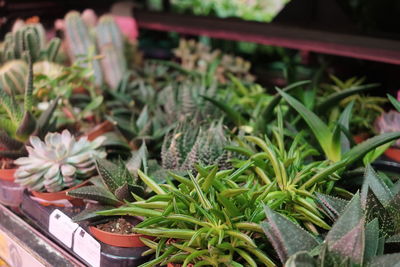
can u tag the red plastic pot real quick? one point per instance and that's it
(99, 130)
(118, 240)
(59, 199)
(177, 265)
(392, 152)
(7, 174)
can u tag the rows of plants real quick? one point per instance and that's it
(218, 170)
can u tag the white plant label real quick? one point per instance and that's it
(62, 227)
(87, 247)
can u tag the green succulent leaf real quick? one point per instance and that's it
(96, 193)
(281, 232)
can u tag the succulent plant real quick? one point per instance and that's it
(17, 124)
(59, 162)
(388, 122)
(353, 240)
(189, 144)
(196, 56)
(209, 219)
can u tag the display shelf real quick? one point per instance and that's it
(276, 34)
(22, 245)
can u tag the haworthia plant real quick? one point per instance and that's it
(350, 242)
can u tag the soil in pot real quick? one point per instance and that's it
(118, 226)
(118, 233)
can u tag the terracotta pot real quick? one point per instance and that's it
(7, 174)
(59, 199)
(392, 152)
(118, 240)
(99, 130)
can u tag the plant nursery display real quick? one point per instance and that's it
(188, 161)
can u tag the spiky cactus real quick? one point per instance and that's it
(13, 75)
(59, 162)
(30, 38)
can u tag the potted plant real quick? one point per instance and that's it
(17, 124)
(56, 165)
(113, 188)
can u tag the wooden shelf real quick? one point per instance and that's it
(289, 36)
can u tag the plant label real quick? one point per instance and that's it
(62, 227)
(87, 247)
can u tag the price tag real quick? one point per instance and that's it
(87, 247)
(62, 227)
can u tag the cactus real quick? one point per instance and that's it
(13, 75)
(80, 43)
(106, 39)
(111, 44)
(30, 38)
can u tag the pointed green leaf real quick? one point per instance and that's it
(281, 232)
(317, 126)
(361, 149)
(394, 102)
(371, 239)
(96, 193)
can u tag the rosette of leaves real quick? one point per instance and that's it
(209, 219)
(352, 241)
(59, 162)
(17, 122)
(116, 184)
(189, 144)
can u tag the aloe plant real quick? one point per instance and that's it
(332, 140)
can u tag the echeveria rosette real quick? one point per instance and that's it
(58, 162)
(388, 122)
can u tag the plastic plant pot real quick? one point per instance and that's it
(59, 199)
(118, 240)
(100, 129)
(10, 192)
(111, 256)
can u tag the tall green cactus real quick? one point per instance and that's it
(80, 43)
(111, 44)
